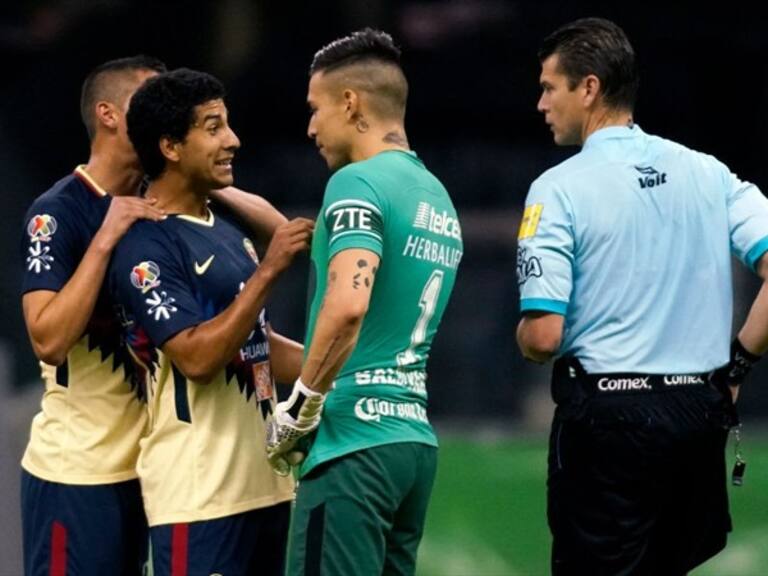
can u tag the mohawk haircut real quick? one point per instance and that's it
(369, 61)
(363, 45)
(600, 47)
(164, 107)
(104, 83)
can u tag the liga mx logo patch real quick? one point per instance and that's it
(145, 276)
(41, 227)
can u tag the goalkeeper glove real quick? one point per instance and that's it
(294, 418)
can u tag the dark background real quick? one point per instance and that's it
(472, 117)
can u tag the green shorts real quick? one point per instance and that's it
(363, 513)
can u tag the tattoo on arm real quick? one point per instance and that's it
(396, 138)
(363, 276)
(322, 364)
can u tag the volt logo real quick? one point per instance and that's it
(650, 177)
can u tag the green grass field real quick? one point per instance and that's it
(487, 516)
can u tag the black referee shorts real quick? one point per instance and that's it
(637, 479)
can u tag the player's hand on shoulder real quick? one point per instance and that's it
(288, 240)
(123, 212)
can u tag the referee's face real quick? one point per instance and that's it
(562, 106)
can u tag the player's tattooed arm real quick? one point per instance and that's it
(351, 275)
(364, 276)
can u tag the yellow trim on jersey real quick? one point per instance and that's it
(208, 221)
(80, 171)
(530, 221)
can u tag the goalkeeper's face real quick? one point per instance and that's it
(564, 105)
(330, 124)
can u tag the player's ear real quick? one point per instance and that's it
(107, 114)
(169, 148)
(351, 104)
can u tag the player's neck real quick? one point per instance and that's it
(119, 176)
(378, 140)
(175, 195)
(604, 118)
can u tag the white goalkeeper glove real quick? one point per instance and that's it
(293, 418)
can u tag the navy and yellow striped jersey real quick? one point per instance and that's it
(88, 429)
(204, 456)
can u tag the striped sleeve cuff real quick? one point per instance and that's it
(756, 252)
(543, 305)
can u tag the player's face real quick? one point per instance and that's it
(329, 124)
(562, 107)
(206, 153)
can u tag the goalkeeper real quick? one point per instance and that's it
(385, 253)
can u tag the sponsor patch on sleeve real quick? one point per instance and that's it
(353, 217)
(530, 221)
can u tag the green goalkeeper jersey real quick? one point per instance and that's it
(392, 205)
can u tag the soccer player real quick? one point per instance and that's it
(385, 253)
(625, 274)
(81, 504)
(192, 292)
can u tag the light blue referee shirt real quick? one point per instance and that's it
(630, 240)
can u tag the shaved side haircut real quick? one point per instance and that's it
(111, 82)
(367, 61)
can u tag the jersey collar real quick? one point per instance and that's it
(89, 182)
(612, 133)
(207, 221)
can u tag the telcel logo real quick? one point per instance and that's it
(440, 223)
(622, 384)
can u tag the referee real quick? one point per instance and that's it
(624, 266)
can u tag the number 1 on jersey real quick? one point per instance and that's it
(428, 304)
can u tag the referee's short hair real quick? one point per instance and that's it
(600, 47)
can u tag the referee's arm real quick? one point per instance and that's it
(754, 334)
(539, 334)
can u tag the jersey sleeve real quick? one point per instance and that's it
(545, 250)
(353, 214)
(747, 220)
(148, 280)
(52, 244)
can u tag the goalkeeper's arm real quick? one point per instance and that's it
(351, 275)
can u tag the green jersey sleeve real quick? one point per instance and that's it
(353, 214)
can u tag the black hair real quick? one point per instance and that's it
(360, 46)
(369, 61)
(101, 84)
(165, 107)
(600, 47)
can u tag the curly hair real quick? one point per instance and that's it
(164, 107)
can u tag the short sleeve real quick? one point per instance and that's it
(353, 214)
(148, 280)
(747, 220)
(545, 250)
(52, 244)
